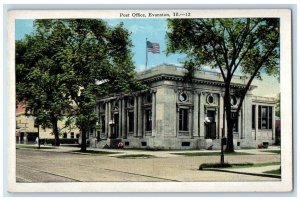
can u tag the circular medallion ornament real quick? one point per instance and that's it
(233, 100)
(210, 99)
(183, 97)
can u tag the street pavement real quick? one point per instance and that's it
(62, 165)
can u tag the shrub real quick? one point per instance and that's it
(51, 141)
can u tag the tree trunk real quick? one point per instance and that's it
(83, 140)
(55, 131)
(229, 122)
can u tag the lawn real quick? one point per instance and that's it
(132, 156)
(95, 152)
(236, 165)
(277, 172)
(272, 151)
(210, 153)
(32, 147)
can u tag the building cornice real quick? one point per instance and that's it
(194, 81)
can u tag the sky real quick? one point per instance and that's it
(154, 30)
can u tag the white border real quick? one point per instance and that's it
(286, 111)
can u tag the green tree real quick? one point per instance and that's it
(91, 53)
(39, 80)
(246, 45)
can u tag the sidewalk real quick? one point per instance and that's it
(161, 154)
(191, 161)
(255, 171)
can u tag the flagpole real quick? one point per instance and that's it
(146, 54)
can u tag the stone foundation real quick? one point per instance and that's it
(171, 143)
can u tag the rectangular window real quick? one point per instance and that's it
(130, 121)
(72, 135)
(270, 118)
(265, 117)
(102, 123)
(236, 122)
(98, 135)
(253, 116)
(148, 118)
(183, 119)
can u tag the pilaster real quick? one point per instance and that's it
(123, 120)
(196, 115)
(120, 118)
(109, 119)
(140, 117)
(154, 113)
(256, 121)
(135, 127)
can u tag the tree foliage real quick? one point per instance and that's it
(87, 52)
(232, 45)
(39, 80)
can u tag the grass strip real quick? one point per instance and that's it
(272, 151)
(95, 152)
(235, 165)
(32, 147)
(136, 156)
(277, 172)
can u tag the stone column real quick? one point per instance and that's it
(124, 124)
(153, 113)
(109, 119)
(196, 115)
(201, 116)
(273, 123)
(135, 127)
(244, 115)
(241, 127)
(190, 121)
(256, 121)
(120, 119)
(106, 119)
(221, 115)
(140, 117)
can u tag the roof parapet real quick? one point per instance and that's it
(169, 69)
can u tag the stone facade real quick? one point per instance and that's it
(175, 115)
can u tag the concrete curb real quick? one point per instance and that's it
(245, 173)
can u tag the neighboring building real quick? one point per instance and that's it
(27, 131)
(176, 115)
(263, 119)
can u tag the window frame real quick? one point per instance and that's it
(268, 117)
(130, 121)
(148, 121)
(183, 119)
(253, 117)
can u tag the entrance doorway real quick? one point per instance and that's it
(115, 133)
(210, 125)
